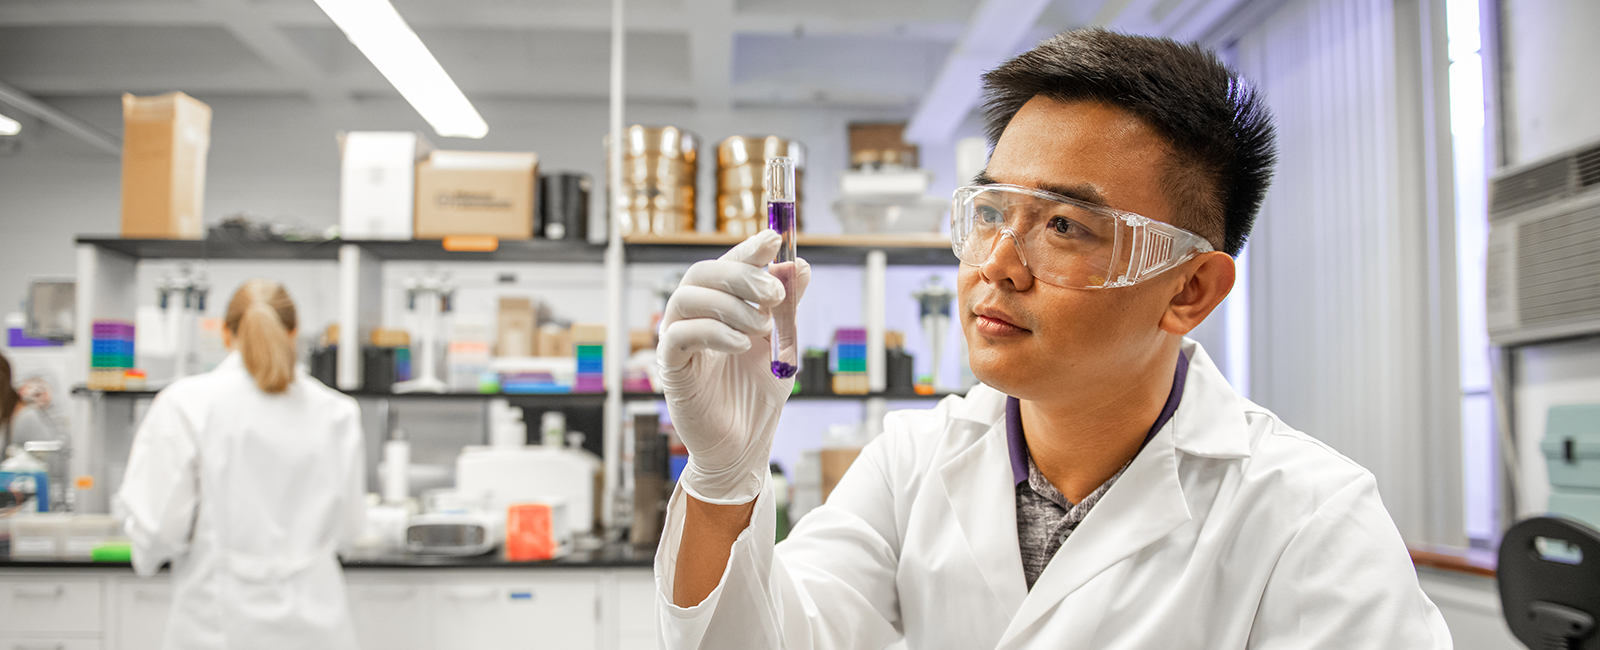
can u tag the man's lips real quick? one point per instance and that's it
(996, 322)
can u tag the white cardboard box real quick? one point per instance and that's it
(377, 183)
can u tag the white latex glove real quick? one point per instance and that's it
(716, 369)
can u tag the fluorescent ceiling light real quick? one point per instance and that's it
(9, 126)
(376, 29)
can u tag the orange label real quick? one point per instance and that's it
(471, 243)
(84, 482)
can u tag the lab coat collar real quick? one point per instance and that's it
(1147, 503)
(1210, 419)
(232, 362)
(981, 405)
(235, 363)
(977, 483)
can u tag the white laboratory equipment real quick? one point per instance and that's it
(182, 299)
(428, 298)
(933, 302)
(510, 476)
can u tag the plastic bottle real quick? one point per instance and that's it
(25, 475)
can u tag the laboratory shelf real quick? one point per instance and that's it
(212, 249)
(911, 249)
(645, 397)
(123, 394)
(530, 250)
(925, 249)
(552, 400)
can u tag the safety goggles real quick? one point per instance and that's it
(1064, 241)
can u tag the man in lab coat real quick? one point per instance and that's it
(1104, 487)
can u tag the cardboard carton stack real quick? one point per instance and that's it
(164, 144)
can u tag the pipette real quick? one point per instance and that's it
(780, 217)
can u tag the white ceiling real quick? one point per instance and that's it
(713, 54)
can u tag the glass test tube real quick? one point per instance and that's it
(780, 217)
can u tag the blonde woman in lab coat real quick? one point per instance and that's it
(248, 479)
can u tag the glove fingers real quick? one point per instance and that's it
(690, 302)
(802, 278)
(747, 282)
(757, 250)
(681, 340)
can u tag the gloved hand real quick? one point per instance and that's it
(715, 359)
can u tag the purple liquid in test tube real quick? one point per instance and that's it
(780, 217)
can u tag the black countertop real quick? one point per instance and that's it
(610, 556)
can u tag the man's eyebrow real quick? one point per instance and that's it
(1082, 191)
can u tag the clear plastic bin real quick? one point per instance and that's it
(40, 535)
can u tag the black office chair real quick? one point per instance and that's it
(1549, 576)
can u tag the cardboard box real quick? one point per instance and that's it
(518, 331)
(555, 341)
(377, 183)
(591, 333)
(476, 193)
(164, 143)
(834, 464)
(876, 138)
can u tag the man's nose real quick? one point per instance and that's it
(1001, 265)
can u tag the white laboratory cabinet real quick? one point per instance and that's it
(393, 609)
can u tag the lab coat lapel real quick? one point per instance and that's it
(1148, 501)
(982, 497)
(1143, 506)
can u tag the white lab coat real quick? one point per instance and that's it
(1229, 530)
(249, 495)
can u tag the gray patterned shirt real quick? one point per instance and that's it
(1045, 519)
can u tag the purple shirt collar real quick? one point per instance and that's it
(1019, 446)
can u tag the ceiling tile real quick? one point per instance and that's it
(512, 62)
(90, 58)
(921, 10)
(851, 64)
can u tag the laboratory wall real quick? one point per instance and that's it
(1546, 46)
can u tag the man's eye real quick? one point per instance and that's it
(990, 215)
(1064, 226)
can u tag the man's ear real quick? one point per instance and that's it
(1203, 289)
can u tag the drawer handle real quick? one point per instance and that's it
(40, 646)
(37, 592)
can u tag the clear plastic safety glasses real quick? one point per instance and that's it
(1064, 241)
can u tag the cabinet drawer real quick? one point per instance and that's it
(493, 615)
(49, 605)
(45, 643)
(143, 606)
(636, 612)
(391, 616)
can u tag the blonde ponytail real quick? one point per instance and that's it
(260, 317)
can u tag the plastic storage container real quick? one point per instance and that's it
(1571, 449)
(41, 535)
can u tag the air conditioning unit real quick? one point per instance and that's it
(1544, 249)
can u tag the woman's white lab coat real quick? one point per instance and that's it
(249, 495)
(1229, 530)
